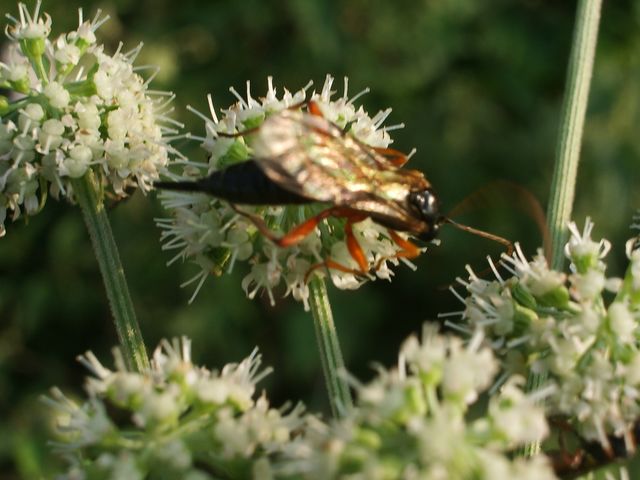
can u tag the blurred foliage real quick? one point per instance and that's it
(479, 86)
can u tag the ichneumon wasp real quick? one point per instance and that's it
(300, 157)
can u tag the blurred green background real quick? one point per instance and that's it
(479, 86)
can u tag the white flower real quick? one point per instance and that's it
(345, 280)
(30, 117)
(180, 415)
(29, 27)
(583, 251)
(516, 415)
(622, 322)
(403, 425)
(589, 285)
(77, 163)
(468, 371)
(588, 349)
(265, 275)
(324, 248)
(535, 275)
(58, 96)
(67, 53)
(633, 254)
(62, 129)
(50, 135)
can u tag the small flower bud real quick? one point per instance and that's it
(30, 117)
(4, 105)
(50, 135)
(58, 96)
(67, 54)
(622, 322)
(77, 163)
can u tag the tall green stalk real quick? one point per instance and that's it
(330, 353)
(106, 251)
(574, 107)
(565, 171)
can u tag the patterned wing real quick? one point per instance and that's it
(312, 157)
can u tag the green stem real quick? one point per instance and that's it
(565, 172)
(330, 354)
(95, 217)
(41, 71)
(574, 108)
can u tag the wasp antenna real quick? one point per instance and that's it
(480, 233)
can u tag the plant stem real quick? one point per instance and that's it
(330, 354)
(95, 217)
(574, 107)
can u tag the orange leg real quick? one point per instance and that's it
(355, 250)
(295, 235)
(332, 265)
(395, 157)
(354, 247)
(408, 249)
(299, 232)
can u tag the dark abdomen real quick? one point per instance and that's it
(243, 183)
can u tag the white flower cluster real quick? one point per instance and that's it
(555, 323)
(208, 232)
(73, 108)
(183, 421)
(411, 422)
(176, 421)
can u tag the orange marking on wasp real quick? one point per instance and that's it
(314, 109)
(396, 157)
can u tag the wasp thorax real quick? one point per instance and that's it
(425, 204)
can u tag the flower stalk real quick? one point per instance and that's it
(571, 125)
(106, 251)
(330, 353)
(565, 172)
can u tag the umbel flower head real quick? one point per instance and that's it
(73, 108)
(412, 422)
(211, 234)
(176, 421)
(580, 327)
(183, 421)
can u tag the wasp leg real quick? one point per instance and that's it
(295, 235)
(332, 265)
(355, 250)
(395, 157)
(299, 232)
(407, 249)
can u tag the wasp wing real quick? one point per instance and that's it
(310, 156)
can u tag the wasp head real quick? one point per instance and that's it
(427, 207)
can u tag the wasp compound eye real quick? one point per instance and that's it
(425, 203)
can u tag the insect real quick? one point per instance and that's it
(590, 455)
(301, 157)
